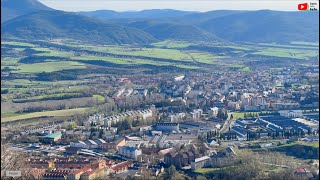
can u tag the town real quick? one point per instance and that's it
(177, 125)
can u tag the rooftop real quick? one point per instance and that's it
(167, 124)
(201, 159)
(53, 135)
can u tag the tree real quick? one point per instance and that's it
(101, 133)
(172, 170)
(71, 126)
(14, 160)
(309, 131)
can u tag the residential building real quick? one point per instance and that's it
(200, 162)
(129, 152)
(51, 138)
(120, 167)
(40, 163)
(183, 158)
(113, 145)
(177, 117)
(214, 111)
(167, 127)
(196, 114)
(291, 113)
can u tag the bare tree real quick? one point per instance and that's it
(12, 160)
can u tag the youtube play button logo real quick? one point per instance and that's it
(303, 6)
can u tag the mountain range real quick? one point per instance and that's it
(11, 9)
(29, 19)
(58, 24)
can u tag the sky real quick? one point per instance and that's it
(186, 5)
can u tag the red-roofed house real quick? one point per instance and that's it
(120, 167)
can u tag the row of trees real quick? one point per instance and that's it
(286, 134)
(250, 114)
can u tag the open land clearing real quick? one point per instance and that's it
(66, 112)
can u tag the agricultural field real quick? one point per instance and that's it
(98, 97)
(17, 43)
(50, 52)
(48, 67)
(58, 113)
(294, 46)
(288, 53)
(145, 52)
(172, 44)
(305, 43)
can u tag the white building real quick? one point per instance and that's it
(97, 118)
(179, 78)
(200, 162)
(167, 126)
(88, 144)
(177, 117)
(291, 113)
(79, 144)
(129, 152)
(214, 111)
(196, 114)
(144, 114)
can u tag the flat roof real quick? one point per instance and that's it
(53, 135)
(201, 158)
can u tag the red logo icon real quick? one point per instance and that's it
(303, 6)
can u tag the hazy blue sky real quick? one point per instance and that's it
(187, 5)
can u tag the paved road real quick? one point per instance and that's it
(228, 123)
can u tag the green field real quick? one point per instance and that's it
(246, 69)
(203, 57)
(9, 61)
(305, 43)
(67, 112)
(288, 145)
(237, 115)
(168, 49)
(302, 150)
(16, 43)
(9, 114)
(287, 53)
(172, 54)
(315, 145)
(50, 52)
(98, 97)
(206, 170)
(132, 61)
(172, 44)
(51, 96)
(212, 170)
(295, 46)
(48, 67)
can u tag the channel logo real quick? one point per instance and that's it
(303, 7)
(312, 6)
